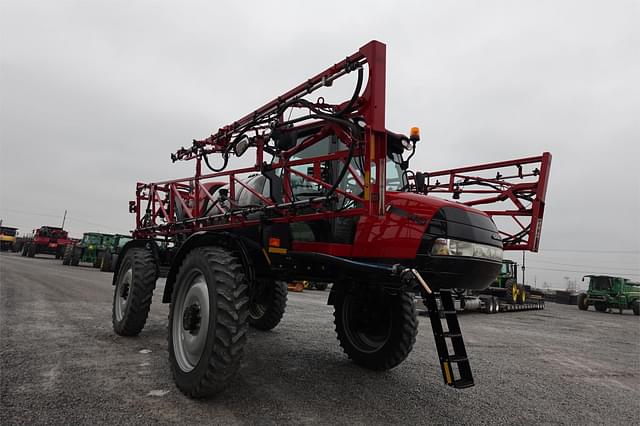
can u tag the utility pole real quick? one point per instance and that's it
(523, 268)
(64, 218)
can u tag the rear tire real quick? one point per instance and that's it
(207, 321)
(376, 330)
(267, 307)
(66, 257)
(601, 306)
(24, 251)
(133, 292)
(635, 305)
(31, 251)
(583, 305)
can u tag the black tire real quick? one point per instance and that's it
(635, 305)
(489, 305)
(601, 306)
(267, 306)
(97, 260)
(208, 369)
(76, 254)
(321, 286)
(105, 265)
(583, 305)
(512, 290)
(133, 292)
(496, 304)
(376, 330)
(522, 295)
(24, 250)
(66, 258)
(31, 251)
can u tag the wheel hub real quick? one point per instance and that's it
(191, 318)
(190, 325)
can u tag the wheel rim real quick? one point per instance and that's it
(259, 301)
(257, 310)
(122, 293)
(514, 292)
(367, 328)
(191, 321)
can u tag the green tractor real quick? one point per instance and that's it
(110, 256)
(606, 292)
(88, 250)
(507, 279)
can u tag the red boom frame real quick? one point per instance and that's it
(159, 217)
(525, 190)
(520, 185)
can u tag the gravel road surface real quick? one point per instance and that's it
(61, 363)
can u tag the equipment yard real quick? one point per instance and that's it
(62, 363)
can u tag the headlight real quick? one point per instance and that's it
(448, 247)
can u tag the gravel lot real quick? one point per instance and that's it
(61, 363)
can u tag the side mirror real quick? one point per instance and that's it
(241, 146)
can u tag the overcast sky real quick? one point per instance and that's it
(96, 95)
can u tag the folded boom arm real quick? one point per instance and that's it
(511, 192)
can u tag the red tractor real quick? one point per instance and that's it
(47, 240)
(328, 197)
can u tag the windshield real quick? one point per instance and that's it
(396, 180)
(123, 240)
(8, 231)
(92, 239)
(600, 283)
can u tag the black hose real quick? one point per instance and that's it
(355, 95)
(224, 165)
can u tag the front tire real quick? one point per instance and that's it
(76, 254)
(601, 306)
(97, 261)
(133, 292)
(635, 305)
(207, 321)
(376, 330)
(583, 305)
(66, 257)
(268, 304)
(31, 251)
(512, 287)
(522, 295)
